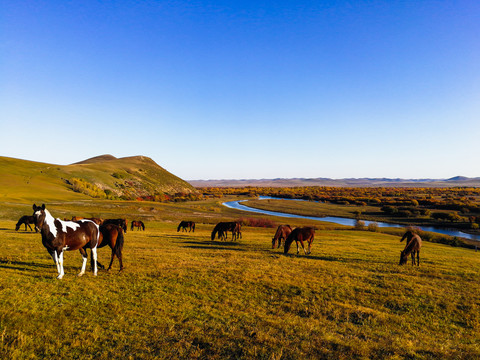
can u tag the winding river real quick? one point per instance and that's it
(342, 221)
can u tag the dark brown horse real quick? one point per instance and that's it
(222, 229)
(300, 234)
(282, 233)
(413, 246)
(111, 235)
(138, 224)
(120, 222)
(59, 236)
(186, 224)
(26, 220)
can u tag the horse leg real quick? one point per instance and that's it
(84, 261)
(111, 260)
(94, 253)
(413, 258)
(28, 226)
(59, 262)
(418, 257)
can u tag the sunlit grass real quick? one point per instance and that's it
(184, 296)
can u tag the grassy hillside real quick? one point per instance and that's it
(184, 296)
(127, 178)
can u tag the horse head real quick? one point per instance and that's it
(403, 257)
(38, 216)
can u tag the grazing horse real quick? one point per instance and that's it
(186, 224)
(413, 246)
(282, 233)
(26, 220)
(222, 229)
(300, 234)
(138, 224)
(59, 236)
(111, 235)
(120, 222)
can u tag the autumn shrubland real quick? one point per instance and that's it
(184, 296)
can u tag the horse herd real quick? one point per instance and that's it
(80, 234)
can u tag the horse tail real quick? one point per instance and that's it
(143, 225)
(119, 244)
(193, 226)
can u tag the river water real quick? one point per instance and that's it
(343, 221)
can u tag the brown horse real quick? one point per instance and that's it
(138, 224)
(237, 231)
(120, 222)
(26, 220)
(97, 221)
(111, 235)
(282, 233)
(413, 246)
(186, 224)
(59, 236)
(300, 234)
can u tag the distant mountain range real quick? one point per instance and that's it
(350, 182)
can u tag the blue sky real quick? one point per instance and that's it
(245, 89)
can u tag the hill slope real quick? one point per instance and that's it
(128, 178)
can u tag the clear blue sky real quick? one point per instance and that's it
(245, 89)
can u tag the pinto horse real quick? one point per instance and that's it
(282, 233)
(300, 234)
(59, 236)
(111, 235)
(138, 224)
(413, 246)
(26, 220)
(186, 224)
(120, 222)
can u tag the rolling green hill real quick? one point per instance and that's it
(102, 177)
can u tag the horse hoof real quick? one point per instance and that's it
(81, 274)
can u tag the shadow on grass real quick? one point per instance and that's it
(215, 245)
(21, 265)
(212, 247)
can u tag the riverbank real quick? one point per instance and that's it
(310, 210)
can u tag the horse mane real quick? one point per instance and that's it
(289, 241)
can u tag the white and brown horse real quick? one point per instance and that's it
(59, 236)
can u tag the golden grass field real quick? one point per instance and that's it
(184, 296)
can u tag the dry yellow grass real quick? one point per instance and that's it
(184, 296)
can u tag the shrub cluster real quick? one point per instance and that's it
(84, 187)
(261, 222)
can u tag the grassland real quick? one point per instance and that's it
(184, 296)
(126, 178)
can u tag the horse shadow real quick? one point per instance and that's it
(20, 265)
(224, 245)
